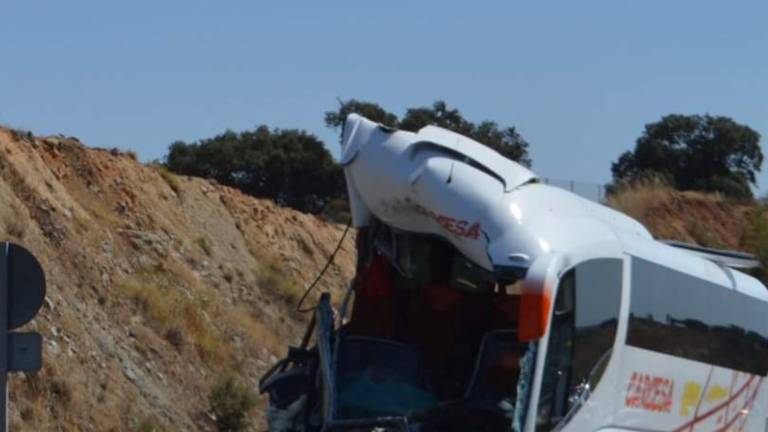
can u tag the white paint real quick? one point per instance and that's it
(435, 180)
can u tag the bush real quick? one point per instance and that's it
(175, 316)
(337, 211)
(755, 240)
(704, 153)
(205, 245)
(292, 167)
(230, 402)
(150, 424)
(272, 276)
(170, 178)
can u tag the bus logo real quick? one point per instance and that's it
(651, 393)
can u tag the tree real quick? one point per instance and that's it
(290, 166)
(506, 141)
(439, 115)
(370, 110)
(694, 152)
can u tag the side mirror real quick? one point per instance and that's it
(538, 291)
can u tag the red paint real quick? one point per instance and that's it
(457, 227)
(650, 393)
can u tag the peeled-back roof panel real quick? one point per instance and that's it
(512, 173)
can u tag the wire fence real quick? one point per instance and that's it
(591, 191)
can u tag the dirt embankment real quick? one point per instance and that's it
(694, 217)
(157, 285)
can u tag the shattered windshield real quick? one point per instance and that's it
(432, 337)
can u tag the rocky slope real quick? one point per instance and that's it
(157, 285)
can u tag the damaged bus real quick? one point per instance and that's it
(485, 300)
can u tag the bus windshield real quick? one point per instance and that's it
(431, 337)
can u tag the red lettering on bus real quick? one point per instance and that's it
(457, 227)
(650, 393)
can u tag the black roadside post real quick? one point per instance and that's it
(22, 291)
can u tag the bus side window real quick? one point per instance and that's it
(582, 333)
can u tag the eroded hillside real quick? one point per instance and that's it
(157, 285)
(694, 217)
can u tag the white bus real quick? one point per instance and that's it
(487, 301)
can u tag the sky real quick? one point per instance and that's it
(578, 80)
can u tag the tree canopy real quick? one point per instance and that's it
(295, 169)
(370, 110)
(506, 140)
(695, 152)
(290, 166)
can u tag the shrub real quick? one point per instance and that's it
(292, 167)
(169, 178)
(150, 424)
(230, 402)
(131, 153)
(175, 336)
(755, 240)
(702, 235)
(205, 245)
(177, 317)
(337, 210)
(272, 275)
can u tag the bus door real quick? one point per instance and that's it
(575, 352)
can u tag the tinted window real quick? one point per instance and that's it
(677, 314)
(582, 333)
(598, 298)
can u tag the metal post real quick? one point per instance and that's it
(4, 337)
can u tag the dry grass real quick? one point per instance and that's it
(755, 240)
(97, 210)
(707, 219)
(15, 228)
(20, 134)
(635, 199)
(48, 399)
(169, 178)
(702, 235)
(131, 153)
(204, 244)
(179, 317)
(150, 424)
(256, 333)
(271, 275)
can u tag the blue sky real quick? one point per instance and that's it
(578, 79)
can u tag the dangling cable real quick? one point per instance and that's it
(322, 272)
